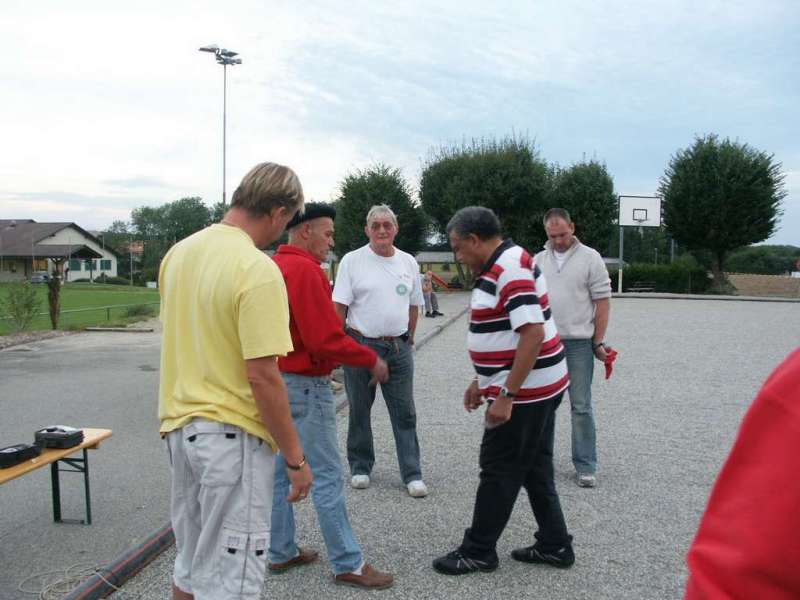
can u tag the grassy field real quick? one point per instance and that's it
(110, 304)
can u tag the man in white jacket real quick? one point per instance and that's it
(579, 293)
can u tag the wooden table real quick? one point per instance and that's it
(60, 456)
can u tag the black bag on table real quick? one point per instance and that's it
(59, 436)
(19, 453)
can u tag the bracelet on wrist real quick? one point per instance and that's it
(298, 466)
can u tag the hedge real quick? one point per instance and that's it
(677, 278)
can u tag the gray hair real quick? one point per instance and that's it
(556, 213)
(268, 186)
(381, 209)
(477, 220)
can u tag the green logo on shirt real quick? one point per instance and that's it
(401, 289)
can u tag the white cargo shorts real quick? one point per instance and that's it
(222, 480)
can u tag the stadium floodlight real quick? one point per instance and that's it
(223, 57)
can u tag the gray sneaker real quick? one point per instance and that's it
(587, 480)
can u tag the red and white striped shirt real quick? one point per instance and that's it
(510, 292)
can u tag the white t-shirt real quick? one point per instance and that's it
(560, 258)
(378, 290)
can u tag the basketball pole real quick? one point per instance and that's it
(619, 271)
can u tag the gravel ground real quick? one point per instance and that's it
(687, 371)
(109, 380)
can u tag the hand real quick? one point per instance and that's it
(600, 352)
(380, 372)
(301, 483)
(499, 412)
(472, 396)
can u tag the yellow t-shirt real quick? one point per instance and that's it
(223, 301)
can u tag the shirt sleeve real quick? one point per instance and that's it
(599, 281)
(319, 326)
(263, 317)
(416, 299)
(746, 545)
(343, 289)
(517, 294)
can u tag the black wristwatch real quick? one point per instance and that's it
(504, 392)
(597, 345)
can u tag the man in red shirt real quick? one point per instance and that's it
(320, 344)
(747, 546)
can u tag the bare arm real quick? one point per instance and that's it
(602, 311)
(413, 316)
(273, 405)
(531, 336)
(341, 311)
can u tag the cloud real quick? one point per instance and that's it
(116, 108)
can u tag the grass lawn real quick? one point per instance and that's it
(85, 296)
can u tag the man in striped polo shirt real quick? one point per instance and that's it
(522, 374)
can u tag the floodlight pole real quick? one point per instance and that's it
(224, 57)
(224, 126)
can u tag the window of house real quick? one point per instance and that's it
(105, 265)
(74, 264)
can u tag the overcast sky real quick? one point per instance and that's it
(105, 109)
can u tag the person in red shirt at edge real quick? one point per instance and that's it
(320, 344)
(748, 543)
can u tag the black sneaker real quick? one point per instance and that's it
(456, 563)
(563, 558)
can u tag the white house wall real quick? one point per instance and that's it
(70, 236)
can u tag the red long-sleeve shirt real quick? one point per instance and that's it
(320, 343)
(748, 544)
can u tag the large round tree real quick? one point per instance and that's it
(378, 184)
(586, 190)
(719, 196)
(507, 176)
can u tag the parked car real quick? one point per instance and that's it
(40, 277)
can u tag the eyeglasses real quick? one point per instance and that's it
(378, 225)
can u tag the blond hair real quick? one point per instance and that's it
(268, 186)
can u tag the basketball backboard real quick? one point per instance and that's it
(640, 211)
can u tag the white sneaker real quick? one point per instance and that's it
(360, 482)
(417, 488)
(587, 480)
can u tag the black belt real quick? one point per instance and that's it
(383, 338)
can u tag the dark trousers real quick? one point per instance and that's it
(398, 393)
(517, 454)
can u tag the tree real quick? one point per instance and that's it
(218, 211)
(21, 304)
(378, 184)
(507, 176)
(158, 228)
(766, 260)
(719, 196)
(586, 190)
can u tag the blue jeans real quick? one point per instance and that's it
(314, 415)
(580, 364)
(399, 395)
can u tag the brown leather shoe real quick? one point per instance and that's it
(370, 579)
(305, 557)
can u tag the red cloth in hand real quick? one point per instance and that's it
(611, 356)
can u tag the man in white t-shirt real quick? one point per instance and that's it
(378, 295)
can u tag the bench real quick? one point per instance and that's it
(56, 458)
(643, 286)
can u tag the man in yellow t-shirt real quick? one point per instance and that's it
(223, 405)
